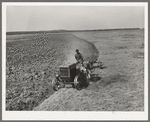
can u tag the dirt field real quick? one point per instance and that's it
(121, 84)
(32, 60)
(121, 87)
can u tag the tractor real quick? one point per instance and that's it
(76, 74)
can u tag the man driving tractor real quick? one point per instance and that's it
(79, 57)
(79, 66)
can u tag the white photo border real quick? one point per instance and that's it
(72, 115)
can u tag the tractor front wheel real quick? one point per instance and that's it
(57, 84)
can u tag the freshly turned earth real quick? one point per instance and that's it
(33, 60)
(121, 83)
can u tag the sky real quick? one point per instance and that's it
(36, 18)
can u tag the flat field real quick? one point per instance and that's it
(121, 84)
(32, 60)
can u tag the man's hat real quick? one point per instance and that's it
(77, 50)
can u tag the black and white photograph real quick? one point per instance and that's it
(75, 61)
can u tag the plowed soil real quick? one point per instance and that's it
(33, 59)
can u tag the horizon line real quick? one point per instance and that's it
(72, 30)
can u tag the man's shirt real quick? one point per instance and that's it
(78, 56)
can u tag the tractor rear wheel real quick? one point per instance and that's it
(80, 81)
(77, 83)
